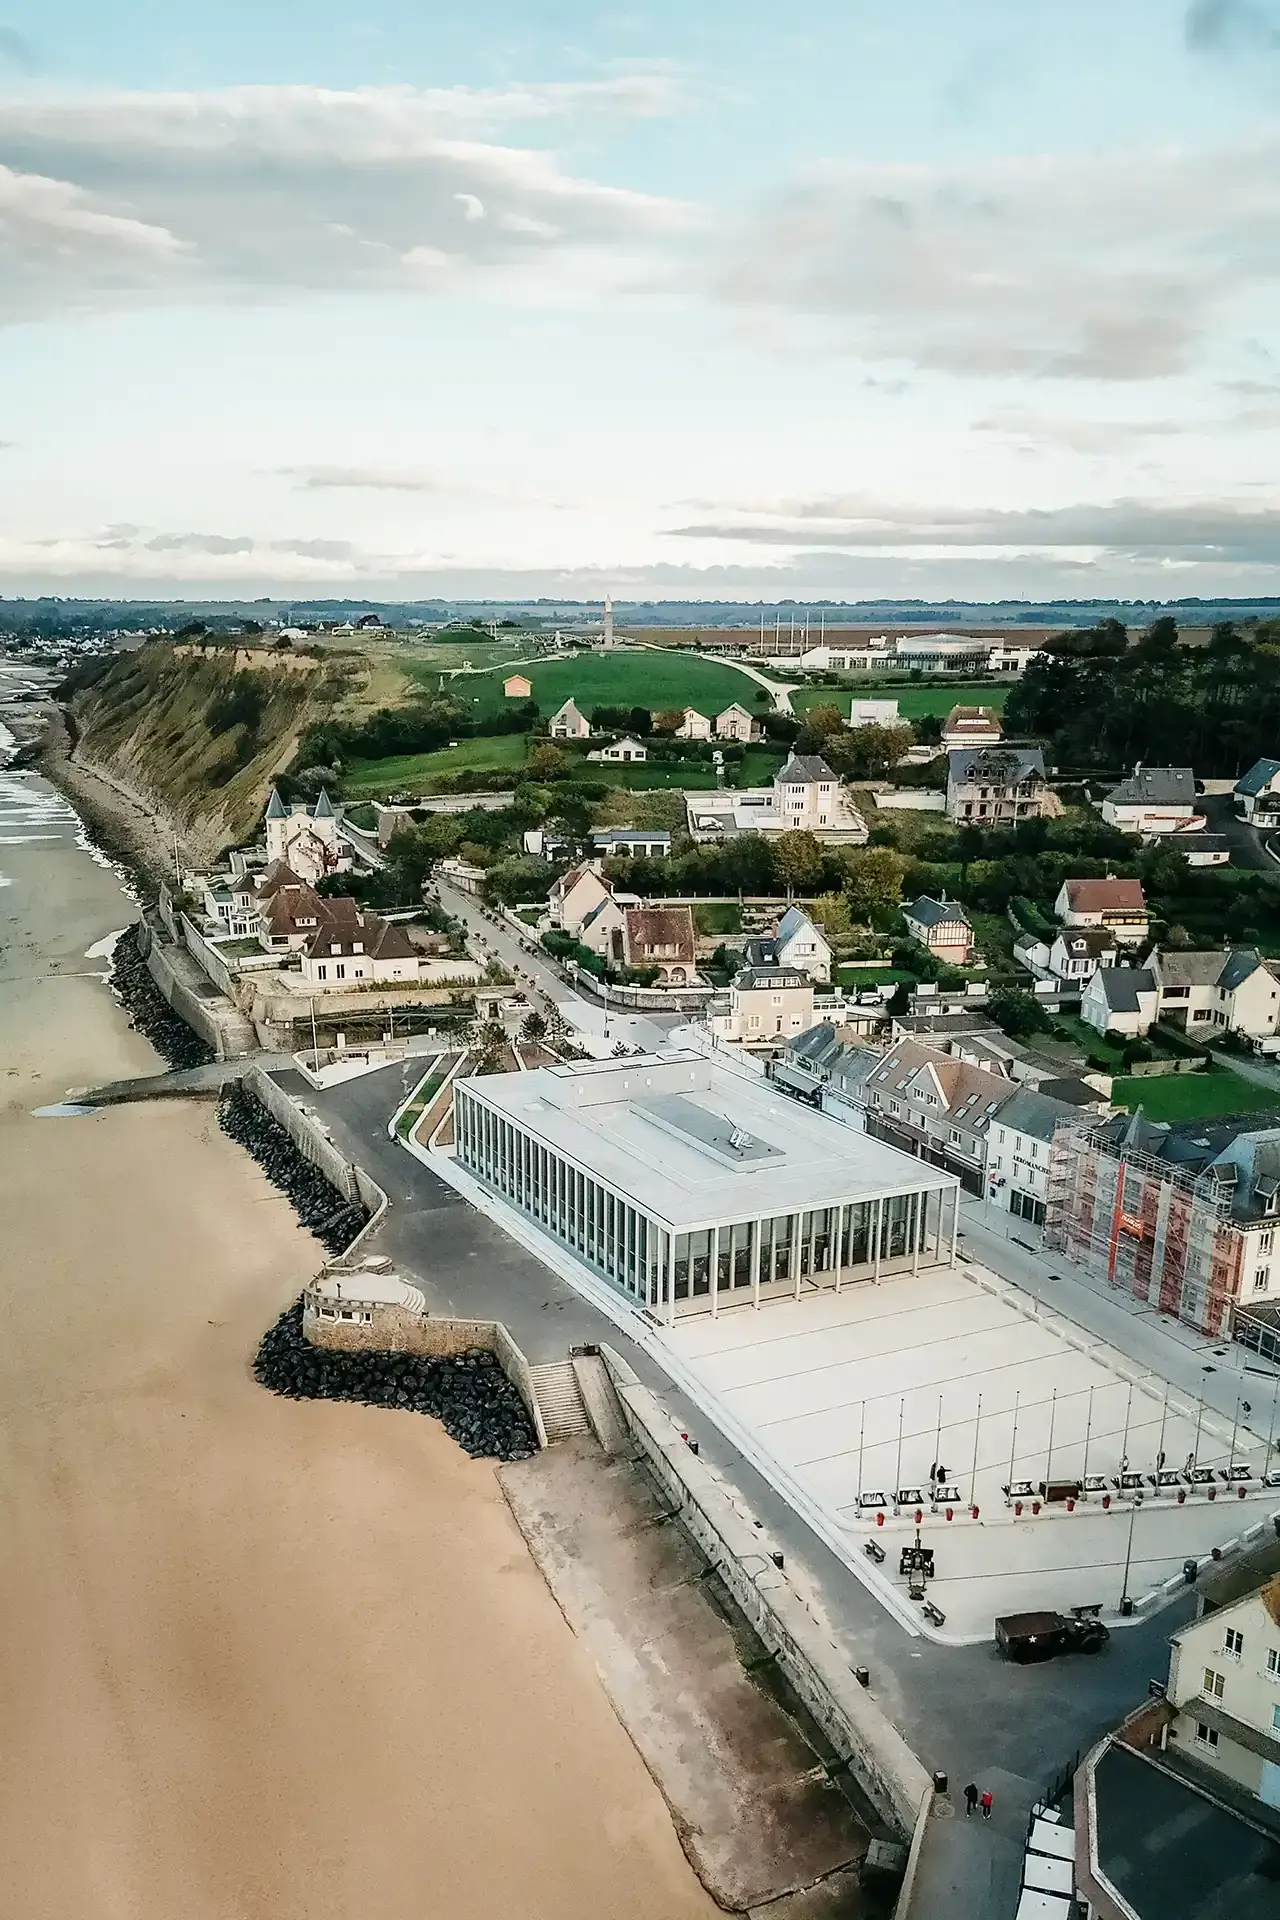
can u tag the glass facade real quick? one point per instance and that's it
(763, 1257)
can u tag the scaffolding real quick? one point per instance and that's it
(1152, 1230)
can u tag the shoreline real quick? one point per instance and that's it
(126, 832)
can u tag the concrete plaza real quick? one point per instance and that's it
(861, 1393)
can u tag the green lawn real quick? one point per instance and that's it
(718, 916)
(856, 979)
(642, 678)
(1087, 1039)
(423, 1094)
(491, 752)
(912, 701)
(650, 774)
(759, 764)
(1192, 1096)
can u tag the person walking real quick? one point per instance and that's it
(986, 1804)
(970, 1800)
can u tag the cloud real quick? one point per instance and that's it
(1077, 435)
(377, 479)
(1136, 529)
(200, 543)
(316, 549)
(1230, 26)
(1087, 266)
(113, 197)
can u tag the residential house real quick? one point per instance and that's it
(796, 941)
(289, 911)
(1224, 1692)
(995, 786)
(873, 713)
(623, 750)
(661, 937)
(602, 930)
(693, 725)
(1118, 905)
(1019, 1143)
(805, 794)
(935, 1106)
(516, 687)
(1078, 952)
(463, 875)
(568, 724)
(552, 843)
(942, 926)
(1154, 800)
(1198, 849)
(356, 947)
(633, 843)
(1257, 794)
(1120, 1001)
(766, 1004)
(306, 837)
(735, 723)
(1228, 989)
(573, 896)
(1185, 1218)
(972, 727)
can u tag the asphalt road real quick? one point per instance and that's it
(962, 1709)
(1244, 842)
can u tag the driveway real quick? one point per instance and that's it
(1245, 844)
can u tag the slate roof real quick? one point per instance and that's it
(929, 912)
(276, 809)
(1193, 969)
(972, 1095)
(630, 837)
(1122, 985)
(756, 977)
(998, 766)
(1156, 787)
(1036, 1114)
(1105, 896)
(1258, 778)
(807, 769)
(1094, 941)
(794, 921)
(1241, 963)
(1241, 1151)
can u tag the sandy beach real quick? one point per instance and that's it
(261, 1661)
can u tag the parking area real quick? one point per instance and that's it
(860, 1396)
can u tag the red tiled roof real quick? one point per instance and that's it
(1105, 896)
(660, 933)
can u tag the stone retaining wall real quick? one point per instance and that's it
(218, 1024)
(399, 1330)
(884, 1766)
(352, 1182)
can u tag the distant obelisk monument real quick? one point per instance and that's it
(608, 620)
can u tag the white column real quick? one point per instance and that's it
(796, 1221)
(839, 1244)
(715, 1271)
(669, 1261)
(917, 1222)
(879, 1232)
(756, 1229)
(955, 1221)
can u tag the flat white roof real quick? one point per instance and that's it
(694, 1143)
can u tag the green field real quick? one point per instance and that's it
(411, 771)
(913, 702)
(1192, 1096)
(718, 916)
(622, 679)
(862, 979)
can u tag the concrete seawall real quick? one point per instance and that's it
(879, 1758)
(216, 1022)
(397, 1330)
(352, 1182)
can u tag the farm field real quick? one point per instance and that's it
(1192, 1096)
(622, 679)
(913, 702)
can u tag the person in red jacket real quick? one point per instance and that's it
(986, 1804)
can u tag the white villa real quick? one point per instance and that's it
(693, 725)
(624, 750)
(305, 837)
(806, 796)
(735, 723)
(568, 724)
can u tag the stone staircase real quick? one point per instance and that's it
(560, 1400)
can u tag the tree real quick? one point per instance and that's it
(546, 763)
(798, 858)
(969, 844)
(534, 1028)
(487, 1040)
(831, 911)
(639, 722)
(821, 723)
(875, 881)
(1017, 1013)
(867, 752)
(668, 720)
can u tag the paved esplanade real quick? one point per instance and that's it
(961, 1708)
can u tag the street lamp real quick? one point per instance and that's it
(1128, 1552)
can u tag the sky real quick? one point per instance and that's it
(667, 300)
